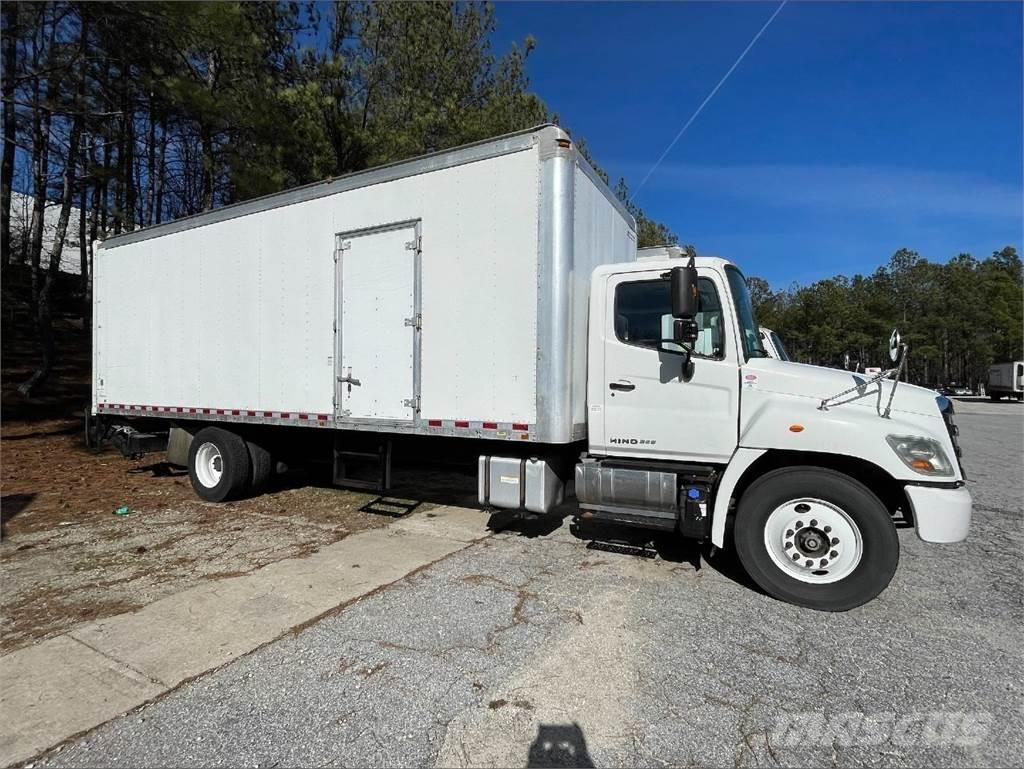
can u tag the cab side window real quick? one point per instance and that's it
(643, 316)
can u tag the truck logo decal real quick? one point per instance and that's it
(633, 441)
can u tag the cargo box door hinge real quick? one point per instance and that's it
(414, 244)
(416, 321)
(341, 245)
(412, 403)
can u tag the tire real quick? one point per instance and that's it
(262, 467)
(219, 465)
(851, 569)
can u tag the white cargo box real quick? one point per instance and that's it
(444, 295)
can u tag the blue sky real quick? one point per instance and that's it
(850, 130)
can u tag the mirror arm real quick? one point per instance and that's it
(896, 379)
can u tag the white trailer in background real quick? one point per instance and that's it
(489, 302)
(1006, 380)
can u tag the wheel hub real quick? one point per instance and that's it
(209, 465)
(813, 540)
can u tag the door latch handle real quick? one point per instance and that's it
(349, 380)
(622, 386)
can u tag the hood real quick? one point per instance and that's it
(818, 382)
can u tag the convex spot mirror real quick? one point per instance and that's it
(894, 345)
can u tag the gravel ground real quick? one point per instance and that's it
(532, 649)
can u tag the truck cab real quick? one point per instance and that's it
(807, 466)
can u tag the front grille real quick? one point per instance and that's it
(946, 408)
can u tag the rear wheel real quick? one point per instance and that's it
(218, 465)
(816, 538)
(262, 466)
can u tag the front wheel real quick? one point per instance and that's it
(816, 538)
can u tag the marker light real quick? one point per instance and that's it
(796, 428)
(922, 455)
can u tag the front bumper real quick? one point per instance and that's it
(940, 514)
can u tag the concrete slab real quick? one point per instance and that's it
(58, 688)
(459, 523)
(77, 681)
(200, 629)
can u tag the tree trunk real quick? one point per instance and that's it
(207, 145)
(151, 164)
(10, 58)
(128, 159)
(44, 320)
(94, 221)
(83, 250)
(40, 170)
(206, 139)
(161, 170)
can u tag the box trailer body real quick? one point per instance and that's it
(490, 303)
(445, 295)
(1006, 379)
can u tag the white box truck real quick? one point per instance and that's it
(491, 297)
(1006, 380)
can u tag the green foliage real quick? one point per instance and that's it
(958, 317)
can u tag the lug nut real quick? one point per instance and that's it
(828, 529)
(809, 563)
(813, 522)
(799, 524)
(824, 561)
(833, 554)
(835, 540)
(788, 545)
(789, 532)
(796, 556)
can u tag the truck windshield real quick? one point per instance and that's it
(752, 347)
(777, 341)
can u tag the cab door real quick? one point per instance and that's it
(652, 407)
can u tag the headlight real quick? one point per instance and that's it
(922, 455)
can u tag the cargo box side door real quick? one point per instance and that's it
(377, 324)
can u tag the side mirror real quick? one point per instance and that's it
(683, 286)
(895, 345)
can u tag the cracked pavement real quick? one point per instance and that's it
(528, 648)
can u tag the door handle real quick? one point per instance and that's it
(349, 380)
(622, 386)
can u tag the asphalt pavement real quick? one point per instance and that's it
(530, 648)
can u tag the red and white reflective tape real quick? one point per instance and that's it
(486, 428)
(229, 414)
(500, 429)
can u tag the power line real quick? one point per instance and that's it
(708, 98)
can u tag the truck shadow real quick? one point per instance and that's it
(10, 506)
(559, 745)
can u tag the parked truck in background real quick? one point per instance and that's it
(491, 300)
(1006, 380)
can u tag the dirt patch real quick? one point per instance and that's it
(67, 558)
